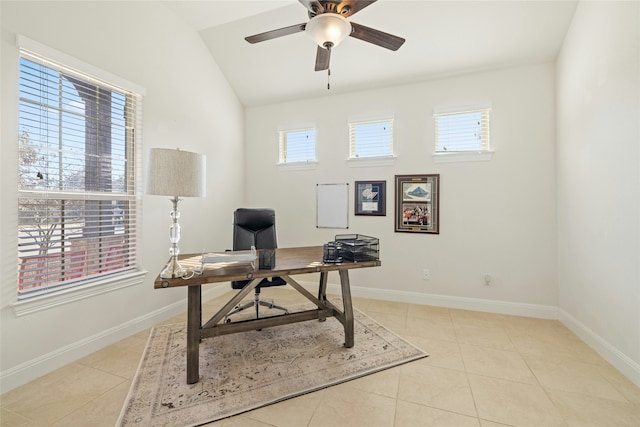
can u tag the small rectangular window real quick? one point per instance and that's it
(297, 146)
(462, 131)
(371, 139)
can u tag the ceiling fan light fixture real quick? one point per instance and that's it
(328, 29)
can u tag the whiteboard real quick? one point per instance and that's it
(333, 206)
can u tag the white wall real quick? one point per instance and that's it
(598, 88)
(188, 104)
(497, 217)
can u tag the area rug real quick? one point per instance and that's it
(248, 370)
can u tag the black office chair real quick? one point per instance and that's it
(255, 227)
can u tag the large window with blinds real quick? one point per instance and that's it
(370, 139)
(464, 130)
(77, 177)
(297, 146)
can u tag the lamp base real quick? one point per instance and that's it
(173, 270)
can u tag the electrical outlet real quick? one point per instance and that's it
(426, 275)
(487, 279)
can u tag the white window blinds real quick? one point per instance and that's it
(466, 130)
(371, 139)
(296, 146)
(78, 160)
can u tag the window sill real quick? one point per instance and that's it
(297, 166)
(462, 156)
(45, 302)
(364, 162)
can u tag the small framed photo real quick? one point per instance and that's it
(417, 208)
(371, 198)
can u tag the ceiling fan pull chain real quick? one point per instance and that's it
(328, 79)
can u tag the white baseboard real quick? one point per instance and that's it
(42, 365)
(463, 303)
(619, 360)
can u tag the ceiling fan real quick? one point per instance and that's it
(328, 26)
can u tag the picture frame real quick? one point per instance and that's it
(417, 203)
(370, 198)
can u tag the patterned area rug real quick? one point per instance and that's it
(248, 370)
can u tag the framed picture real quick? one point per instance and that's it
(417, 208)
(371, 198)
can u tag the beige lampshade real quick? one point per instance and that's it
(176, 173)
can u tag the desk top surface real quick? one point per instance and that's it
(288, 261)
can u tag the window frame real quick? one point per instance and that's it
(283, 143)
(355, 160)
(132, 275)
(486, 150)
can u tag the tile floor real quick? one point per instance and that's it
(485, 370)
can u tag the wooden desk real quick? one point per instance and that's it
(289, 261)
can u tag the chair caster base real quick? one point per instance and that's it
(256, 303)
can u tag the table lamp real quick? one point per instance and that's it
(175, 173)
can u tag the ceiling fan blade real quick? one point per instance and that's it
(314, 6)
(323, 56)
(376, 37)
(350, 7)
(276, 33)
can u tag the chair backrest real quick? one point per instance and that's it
(254, 227)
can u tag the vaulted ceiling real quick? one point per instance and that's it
(443, 38)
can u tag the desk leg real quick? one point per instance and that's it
(194, 321)
(348, 308)
(322, 286)
(322, 292)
